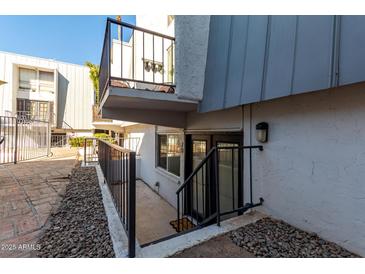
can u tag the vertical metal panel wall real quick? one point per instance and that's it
(256, 58)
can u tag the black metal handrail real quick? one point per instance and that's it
(188, 204)
(148, 67)
(124, 24)
(119, 169)
(199, 166)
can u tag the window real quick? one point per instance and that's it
(169, 153)
(45, 81)
(36, 80)
(27, 79)
(35, 110)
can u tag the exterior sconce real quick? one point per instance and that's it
(262, 130)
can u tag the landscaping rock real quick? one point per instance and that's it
(79, 228)
(272, 238)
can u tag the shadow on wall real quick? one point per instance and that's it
(61, 100)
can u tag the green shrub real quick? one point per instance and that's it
(80, 141)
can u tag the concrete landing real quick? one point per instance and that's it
(175, 245)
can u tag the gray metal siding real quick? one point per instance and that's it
(257, 58)
(280, 57)
(352, 49)
(312, 69)
(217, 61)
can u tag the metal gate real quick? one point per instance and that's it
(23, 139)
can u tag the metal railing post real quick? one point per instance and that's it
(132, 206)
(16, 141)
(48, 138)
(85, 151)
(251, 201)
(109, 52)
(178, 212)
(216, 175)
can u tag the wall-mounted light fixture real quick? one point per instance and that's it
(262, 130)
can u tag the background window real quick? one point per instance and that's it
(162, 149)
(169, 152)
(46, 81)
(35, 110)
(27, 79)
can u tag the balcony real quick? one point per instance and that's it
(137, 77)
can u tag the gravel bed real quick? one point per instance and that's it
(79, 228)
(271, 238)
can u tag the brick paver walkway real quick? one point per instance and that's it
(29, 191)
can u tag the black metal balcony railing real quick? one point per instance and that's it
(136, 58)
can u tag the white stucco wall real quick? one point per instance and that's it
(191, 34)
(311, 172)
(146, 165)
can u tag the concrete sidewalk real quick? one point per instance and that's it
(153, 215)
(29, 191)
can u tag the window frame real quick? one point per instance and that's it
(37, 85)
(168, 145)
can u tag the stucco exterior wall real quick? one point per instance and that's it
(191, 34)
(146, 165)
(311, 172)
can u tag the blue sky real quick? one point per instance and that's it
(73, 39)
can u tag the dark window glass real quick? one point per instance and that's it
(169, 148)
(162, 151)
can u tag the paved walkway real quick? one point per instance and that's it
(153, 215)
(29, 191)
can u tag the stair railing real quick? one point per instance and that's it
(195, 211)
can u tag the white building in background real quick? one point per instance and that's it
(46, 89)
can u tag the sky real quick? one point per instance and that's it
(73, 39)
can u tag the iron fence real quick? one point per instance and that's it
(119, 169)
(130, 143)
(23, 139)
(134, 57)
(58, 140)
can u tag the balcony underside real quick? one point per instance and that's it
(142, 106)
